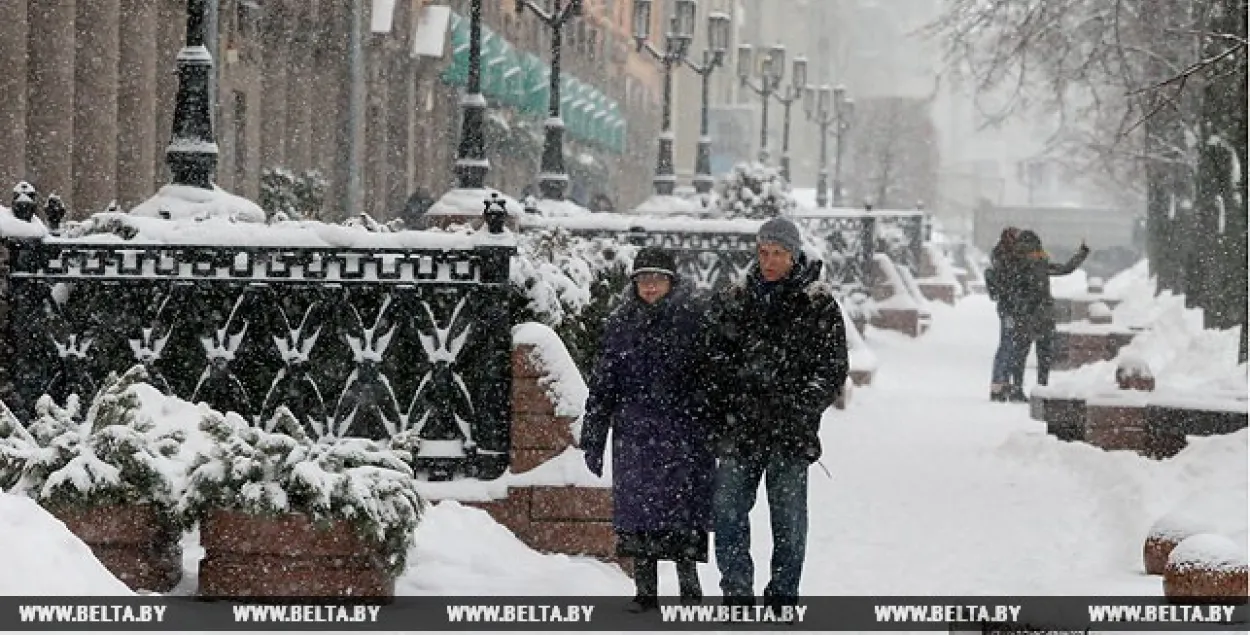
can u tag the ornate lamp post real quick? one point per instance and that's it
(844, 113)
(471, 162)
(713, 56)
(192, 152)
(798, 79)
(827, 107)
(770, 66)
(552, 179)
(676, 42)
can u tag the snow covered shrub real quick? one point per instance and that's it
(114, 455)
(569, 283)
(255, 471)
(754, 190)
(284, 194)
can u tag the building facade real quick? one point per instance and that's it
(88, 93)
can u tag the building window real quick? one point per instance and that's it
(240, 139)
(593, 44)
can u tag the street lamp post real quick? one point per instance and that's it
(471, 162)
(676, 42)
(718, 25)
(798, 79)
(844, 112)
(192, 152)
(552, 179)
(827, 107)
(770, 67)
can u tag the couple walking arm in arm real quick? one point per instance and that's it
(705, 400)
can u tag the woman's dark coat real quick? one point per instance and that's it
(645, 389)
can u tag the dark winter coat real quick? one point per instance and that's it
(780, 355)
(1004, 278)
(1032, 305)
(644, 388)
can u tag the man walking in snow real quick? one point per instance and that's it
(778, 341)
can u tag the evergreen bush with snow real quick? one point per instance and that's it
(114, 455)
(571, 284)
(754, 190)
(261, 472)
(294, 197)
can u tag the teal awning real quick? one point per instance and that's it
(521, 81)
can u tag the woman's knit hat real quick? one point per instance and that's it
(654, 260)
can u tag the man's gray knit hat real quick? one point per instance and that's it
(782, 231)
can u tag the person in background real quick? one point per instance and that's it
(1001, 279)
(1035, 308)
(645, 389)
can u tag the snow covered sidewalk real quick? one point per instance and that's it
(935, 491)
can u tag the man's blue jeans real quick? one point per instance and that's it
(785, 482)
(1005, 357)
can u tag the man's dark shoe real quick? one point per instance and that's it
(643, 604)
(1017, 395)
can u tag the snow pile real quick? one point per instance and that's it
(859, 353)
(945, 271)
(1193, 367)
(471, 202)
(563, 382)
(902, 298)
(549, 207)
(1210, 552)
(41, 557)
(1072, 285)
(463, 552)
(217, 231)
(194, 203)
(1132, 282)
(669, 205)
(13, 227)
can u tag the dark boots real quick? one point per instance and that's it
(688, 582)
(647, 584)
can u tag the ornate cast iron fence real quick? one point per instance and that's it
(712, 252)
(354, 341)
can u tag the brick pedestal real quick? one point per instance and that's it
(1065, 418)
(1116, 427)
(938, 291)
(538, 435)
(906, 321)
(287, 555)
(1073, 350)
(130, 542)
(1168, 427)
(557, 519)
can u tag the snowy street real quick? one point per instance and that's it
(935, 490)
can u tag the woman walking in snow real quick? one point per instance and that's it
(644, 389)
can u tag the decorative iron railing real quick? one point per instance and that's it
(713, 252)
(355, 341)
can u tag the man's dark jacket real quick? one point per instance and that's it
(777, 360)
